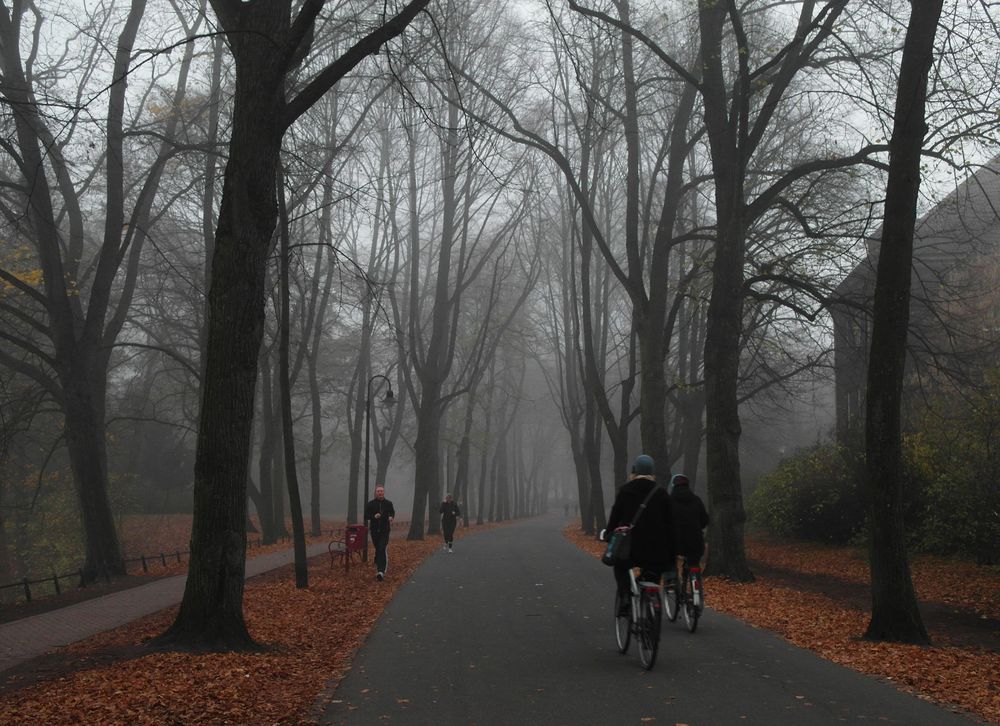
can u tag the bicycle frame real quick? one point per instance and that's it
(691, 603)
(697, 594)
(637, 586)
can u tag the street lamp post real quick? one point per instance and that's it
(388, 400)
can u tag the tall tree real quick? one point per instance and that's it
(68, 325)
(743, 87)
(481, 206)
(267, 44)
(894, 604)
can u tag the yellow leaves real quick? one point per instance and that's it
(20, 262)
(33, 278)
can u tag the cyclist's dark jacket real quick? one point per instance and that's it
(653, 535)
(690, 518)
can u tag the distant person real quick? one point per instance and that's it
(690, 520)
(449, 518)
(653, 532)
(379, 514)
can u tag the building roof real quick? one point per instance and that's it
(964, 225)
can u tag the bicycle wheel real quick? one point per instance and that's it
(649, 629)
(671, 601)
(623, 623)
(691, 611)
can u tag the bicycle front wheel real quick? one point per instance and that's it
(650, 621)
(623, 623)
(691, 613)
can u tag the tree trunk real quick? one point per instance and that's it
(426, 456)
(278, 478)
(583, 492)
(285, 388)
(485, 451)
(211, 612)
(592, 453)
(722, 357)
(725, 312)
(316, 447)
(83, 405)
(461, 487)
(265, 463)
(356, 419)
(894, 604)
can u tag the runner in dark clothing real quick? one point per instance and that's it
(449, 518)
(379, 514)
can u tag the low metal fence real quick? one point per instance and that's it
(55, 583)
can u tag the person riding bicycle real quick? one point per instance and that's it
(653, 534)
(690, 520)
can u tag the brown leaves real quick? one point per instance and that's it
(956, 582)
(309, 638)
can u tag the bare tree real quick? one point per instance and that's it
(69, 323)
(894, 604)
(211, 612)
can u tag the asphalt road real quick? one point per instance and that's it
(515, 627)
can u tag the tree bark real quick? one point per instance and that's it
(211, 612)
(894, 604)
(265, 462)
(83, 406)
(725, 310)
(285, 388)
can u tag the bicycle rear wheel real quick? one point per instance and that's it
(650, 620)
(623, 623)
(691, 610)
(671, 601)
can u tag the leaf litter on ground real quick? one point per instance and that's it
(310, 636)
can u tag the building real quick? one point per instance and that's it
(954, 303)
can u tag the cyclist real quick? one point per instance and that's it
(690, 521)
(652, 536)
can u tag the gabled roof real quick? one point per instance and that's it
(964, 225)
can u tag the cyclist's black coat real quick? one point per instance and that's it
(690, 518)
(653, 535)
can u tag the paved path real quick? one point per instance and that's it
(515, 627)
(23, 639)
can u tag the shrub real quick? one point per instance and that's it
(813, 495)
(956, 454)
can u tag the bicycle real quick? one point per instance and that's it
(643, 618)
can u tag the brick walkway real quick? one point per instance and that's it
(29, 637)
